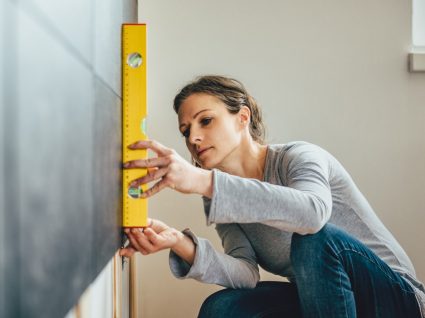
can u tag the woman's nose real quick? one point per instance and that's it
(195, 137)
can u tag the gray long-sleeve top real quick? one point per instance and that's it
(304, 187)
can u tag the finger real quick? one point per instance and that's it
(134, 241)
(143, 242)
(147, 163)
(157, 225)
(150, 176)
(151, 144)
(152, 236)
(127, 252)
(154, 225)
(150, 222)
(157, 187)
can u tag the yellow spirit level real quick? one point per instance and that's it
(135, 209)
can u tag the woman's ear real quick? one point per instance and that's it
(244, 115)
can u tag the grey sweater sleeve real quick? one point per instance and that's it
(236, 268)
(303, 206)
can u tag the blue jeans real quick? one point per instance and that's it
(336, 276)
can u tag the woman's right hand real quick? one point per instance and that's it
(168, 169)
(155, 237)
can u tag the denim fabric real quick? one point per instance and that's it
(336, 276)
(267, 299)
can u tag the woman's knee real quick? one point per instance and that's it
(306, 247)
(267, 299)
(218, 304)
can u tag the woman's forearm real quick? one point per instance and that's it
(185, 248)
(204, 183)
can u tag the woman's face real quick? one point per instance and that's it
(211, 132)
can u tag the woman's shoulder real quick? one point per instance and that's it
(295, 148)
(294, 153)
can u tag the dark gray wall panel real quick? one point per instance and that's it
(55, 173)
(60, 161)
(2, 237)
(108, 17)
(129, 11)
(106, 175)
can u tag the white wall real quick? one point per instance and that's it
(108, 295)
(330, 72)
(97, 300)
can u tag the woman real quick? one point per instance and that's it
(290, 208)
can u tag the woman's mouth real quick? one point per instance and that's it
(202, 151)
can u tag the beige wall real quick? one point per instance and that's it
(330, 72)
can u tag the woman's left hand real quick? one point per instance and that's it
(155, 237)
(170, 169)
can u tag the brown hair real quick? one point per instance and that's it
(232, 93)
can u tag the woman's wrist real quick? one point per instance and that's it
(204, 183)
(185, 247)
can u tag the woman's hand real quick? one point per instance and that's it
(171, 170)
(156, 237)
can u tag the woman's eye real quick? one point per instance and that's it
(186, 133)
(206, 121)
(203, 121)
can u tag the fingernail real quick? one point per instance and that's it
(134, 231)
(131, 146)
(125, 164)
(127, 231)
(133, 184)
